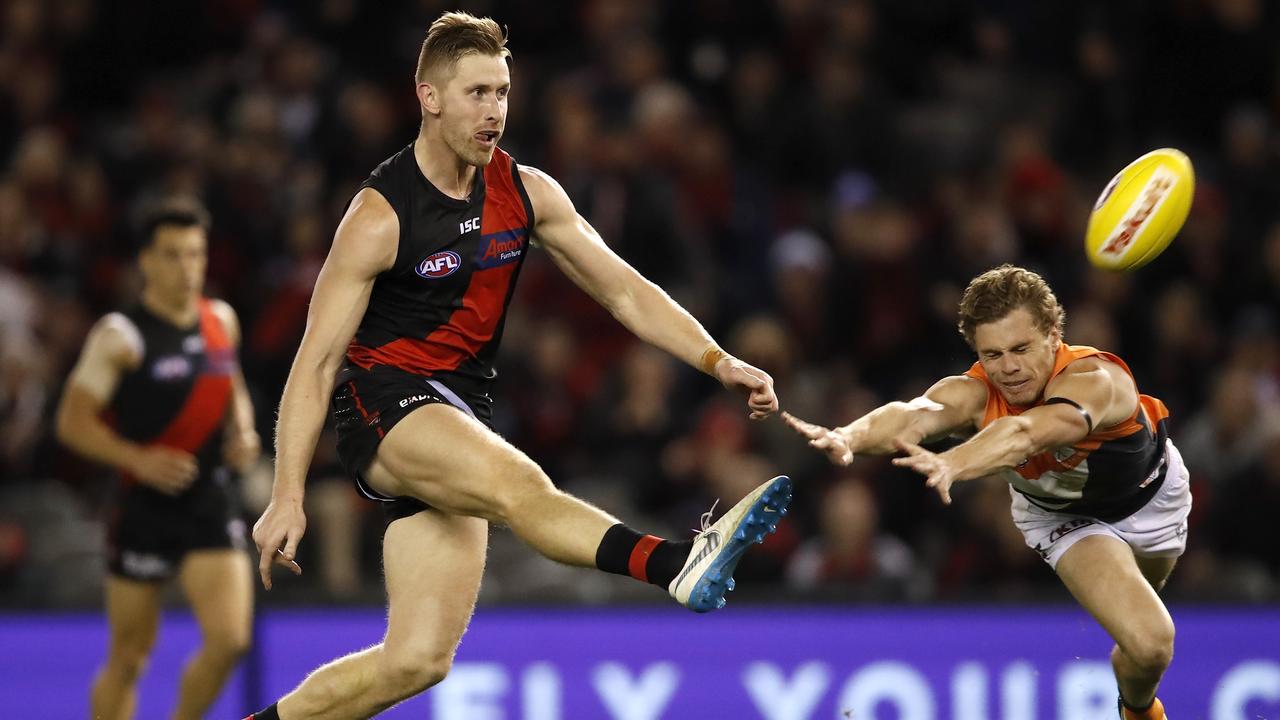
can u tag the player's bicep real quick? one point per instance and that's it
(364, 245)
(951, 404)
(1091, 395)
(230, 322)
(113, 345)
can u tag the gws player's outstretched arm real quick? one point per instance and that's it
(953, 404)
(643, 307)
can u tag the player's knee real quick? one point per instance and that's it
(526, 482)
(1152, 651)
(410, 672)
(228, 647)
(129, 658)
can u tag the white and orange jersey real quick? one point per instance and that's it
(1108, 474)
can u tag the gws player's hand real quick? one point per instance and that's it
(937, 467)
(277, 534)
(166, 469)
(832, 442)
(735, 374)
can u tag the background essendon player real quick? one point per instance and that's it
(157, 394)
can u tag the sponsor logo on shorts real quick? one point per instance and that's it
(440, 264)
(413, 399)
(1067, 528)
(236, 530)
(144, 565)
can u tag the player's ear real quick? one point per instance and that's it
(429, 98)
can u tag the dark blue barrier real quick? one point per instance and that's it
(778, 663)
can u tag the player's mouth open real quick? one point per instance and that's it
(487, 137)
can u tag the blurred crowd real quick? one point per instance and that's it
(816, 180)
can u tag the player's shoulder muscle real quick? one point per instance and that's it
(368, 238)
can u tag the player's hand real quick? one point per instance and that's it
(832, 442)
(241, 449)
(166, 469)
(940, 473)
(737, 375)
(277, 534)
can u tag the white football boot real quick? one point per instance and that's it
(708, 573)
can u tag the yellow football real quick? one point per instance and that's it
(1140, 211)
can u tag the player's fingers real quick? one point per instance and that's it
(906, 447)
(847, 457)
(264, 565)
(752, 380)
(293, 566)
(291, 544)
(802, 427)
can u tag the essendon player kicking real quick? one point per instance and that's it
(1098, 488)
(420, 274)
(157, 394)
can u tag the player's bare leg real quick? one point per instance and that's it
(447, 459)
(1103, 575)
(452, 462)
(1156, 570)
(218, 585)
(433, 564)
(133, 614)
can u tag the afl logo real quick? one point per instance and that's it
(438, 265)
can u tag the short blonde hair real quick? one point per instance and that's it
(456, 34)
(997, 292)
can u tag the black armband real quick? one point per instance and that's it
(1068, 401)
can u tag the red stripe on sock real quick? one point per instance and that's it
(640, 557)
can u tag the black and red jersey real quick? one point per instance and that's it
(180, 394)
(442, 305)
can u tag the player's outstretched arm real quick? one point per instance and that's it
(113, 347)
(241, 446)
(1090, 393)
(951, 404)
(643, 307)
(364, 245)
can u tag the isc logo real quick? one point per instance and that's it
(467, 226)
(438, 265)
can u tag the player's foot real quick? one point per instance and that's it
(708, 573)
(1155, 712)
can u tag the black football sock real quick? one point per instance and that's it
(269, 714)
(647, 558)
